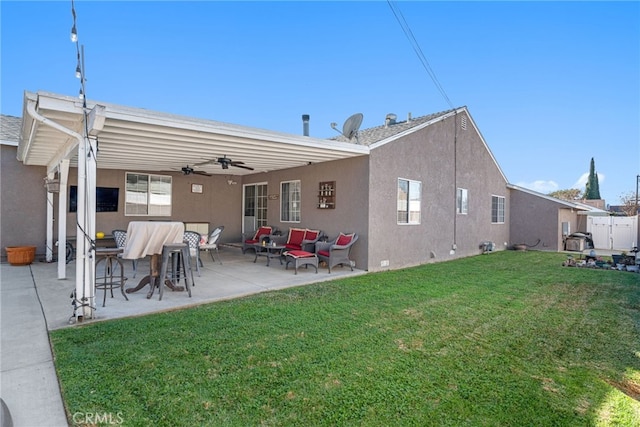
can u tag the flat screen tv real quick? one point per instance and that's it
(106, 199)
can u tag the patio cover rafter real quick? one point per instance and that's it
(139, 139)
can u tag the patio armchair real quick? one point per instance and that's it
(120, 237)
(336, 251)
(193, 239)
(299, 239)
(213, 242)
(262, 233)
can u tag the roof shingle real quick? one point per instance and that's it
(372, 135)
(10, 128)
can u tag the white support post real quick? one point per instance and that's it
(62, 219)
(85, 262)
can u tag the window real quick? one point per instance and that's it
(290, 201)
(409, 200)
(462, 201)
(497, 209)
(147, 195)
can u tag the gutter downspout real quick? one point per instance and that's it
(85, 261)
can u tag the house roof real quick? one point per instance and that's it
(10, 129)
(380, 135)
(383, 132)
(139, 139)
(583, 208)
(621, 209)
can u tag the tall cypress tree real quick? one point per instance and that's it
(592, 191)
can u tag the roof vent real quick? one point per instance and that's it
(390, 119)
(305, 125)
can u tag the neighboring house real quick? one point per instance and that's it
(421, 190)
(542, 222)
(623, 210)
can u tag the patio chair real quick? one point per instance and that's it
(193, 239)
(248, 240)
(336, 252)
(213, 243)
(120, 237)
(299, 239)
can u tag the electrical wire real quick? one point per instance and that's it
(418, 50)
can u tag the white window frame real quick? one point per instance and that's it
(152, 199)
(409, 202)
(462, 201)
(497, 209)
(290, 201)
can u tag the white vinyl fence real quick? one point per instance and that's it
(613, 232)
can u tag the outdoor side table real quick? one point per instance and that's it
(269, 251)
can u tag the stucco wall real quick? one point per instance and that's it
(218, 204)
(352, 192)
(538, 221)
(442, 159)
(22, 204)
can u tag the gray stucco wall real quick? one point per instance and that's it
(538, 221)
(22, 204)
(352, 192)
(218, 204)
(442, 159)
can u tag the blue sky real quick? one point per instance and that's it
(549, 84)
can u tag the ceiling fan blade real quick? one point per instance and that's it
(207, 162)
(236, 164)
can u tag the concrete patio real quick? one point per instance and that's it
(34, 302)
(237, 276)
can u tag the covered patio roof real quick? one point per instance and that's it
(138, 139)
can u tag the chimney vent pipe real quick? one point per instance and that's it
(305, 124)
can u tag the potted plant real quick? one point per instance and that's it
(20, 255)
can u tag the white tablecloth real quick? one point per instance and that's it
(148, 237)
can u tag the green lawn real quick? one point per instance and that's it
(506, 339)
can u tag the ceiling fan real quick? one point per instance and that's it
(225, 162)
(187, 170)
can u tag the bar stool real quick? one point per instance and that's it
(178, 254)
(109, 279)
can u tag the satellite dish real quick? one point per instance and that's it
(352, 125)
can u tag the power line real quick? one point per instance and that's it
(416, 48)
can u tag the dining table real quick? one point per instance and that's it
(146, 238)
